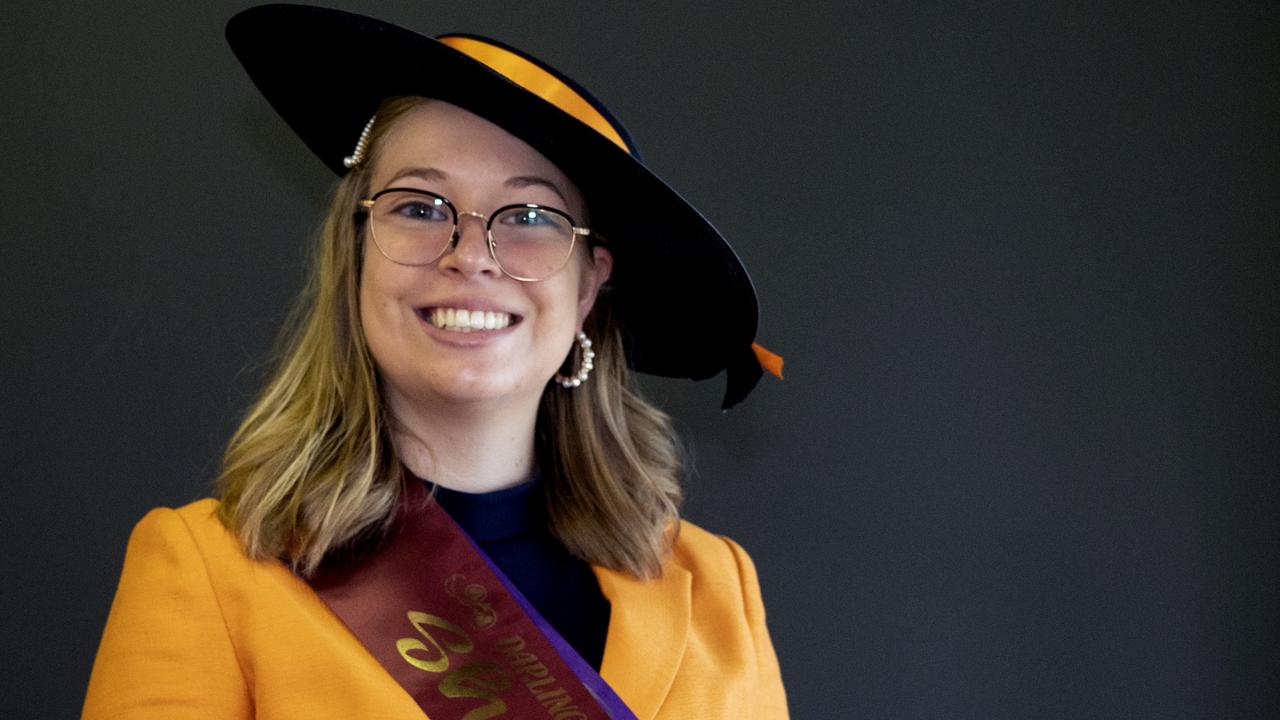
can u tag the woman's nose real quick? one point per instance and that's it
(468, 254)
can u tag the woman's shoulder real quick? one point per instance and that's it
(710, 556)
(706, 614)
(199, 518)
(191, 542)
(193, 528)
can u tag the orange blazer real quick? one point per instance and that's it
(198, 630)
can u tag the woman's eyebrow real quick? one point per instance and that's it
(422, 173)
(431, 174)
(521, 181)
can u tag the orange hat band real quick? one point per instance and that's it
(537, 80)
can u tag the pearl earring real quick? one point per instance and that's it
(585, 365)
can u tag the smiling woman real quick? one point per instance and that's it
(448, 498)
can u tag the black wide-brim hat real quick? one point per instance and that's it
(683, 299)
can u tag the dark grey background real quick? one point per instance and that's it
(1021, 258)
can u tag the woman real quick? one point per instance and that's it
(494, 257)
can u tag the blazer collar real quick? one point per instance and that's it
(648, 629)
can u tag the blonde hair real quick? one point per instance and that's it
(312, 468)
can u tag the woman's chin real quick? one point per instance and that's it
(471, 387)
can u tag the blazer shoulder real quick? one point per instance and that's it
(710, 556)
(195, 525)
(201, 517)
(167, 624)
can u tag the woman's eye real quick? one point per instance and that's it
(530, 218)
(423, 210)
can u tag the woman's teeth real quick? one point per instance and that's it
(459, 320)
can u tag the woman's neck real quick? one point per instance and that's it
(473, 447)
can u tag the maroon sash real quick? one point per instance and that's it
(453, 631)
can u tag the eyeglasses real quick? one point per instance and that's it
(417, 227)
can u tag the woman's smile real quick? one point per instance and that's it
(467, 321)
(457, 326)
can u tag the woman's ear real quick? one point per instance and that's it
(594, 275)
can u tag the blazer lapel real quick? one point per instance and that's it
(648, 628)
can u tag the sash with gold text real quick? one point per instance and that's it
(452, 629)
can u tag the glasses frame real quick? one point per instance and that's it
(367, 205)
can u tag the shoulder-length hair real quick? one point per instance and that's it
(312, 468)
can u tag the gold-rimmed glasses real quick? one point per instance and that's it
(417, 227)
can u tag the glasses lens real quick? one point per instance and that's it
(531, 243)
(411, 228)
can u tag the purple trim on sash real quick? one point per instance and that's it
(587, 675)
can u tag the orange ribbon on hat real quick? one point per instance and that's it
(537, 80)
(768, 360)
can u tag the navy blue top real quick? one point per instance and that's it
(511, 527)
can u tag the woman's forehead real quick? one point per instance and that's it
(439, 142)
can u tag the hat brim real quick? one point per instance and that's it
(685, 302)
